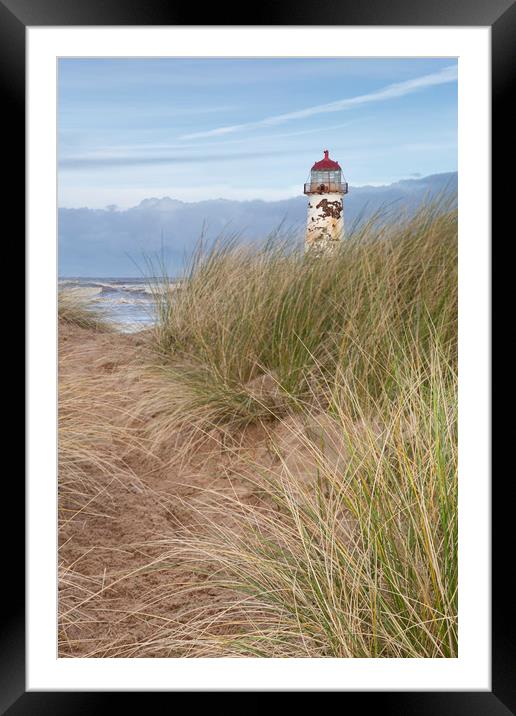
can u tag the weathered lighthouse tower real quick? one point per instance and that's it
(325, 190)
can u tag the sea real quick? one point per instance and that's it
(128, 303)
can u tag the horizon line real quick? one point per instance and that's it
(242, 201)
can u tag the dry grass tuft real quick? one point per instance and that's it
(73, 308)
(359, 561)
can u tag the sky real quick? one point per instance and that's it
(196, 129)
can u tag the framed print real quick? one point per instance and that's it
(258, 366)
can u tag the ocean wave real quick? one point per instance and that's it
(91, 288)
(124, 300)
(128, 310)
(127, 287)
(145, 289)
(83, 291)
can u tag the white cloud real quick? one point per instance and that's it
(398, 89)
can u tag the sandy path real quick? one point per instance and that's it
(115, 592)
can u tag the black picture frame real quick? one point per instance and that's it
(500, 15)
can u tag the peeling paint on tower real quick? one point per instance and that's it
(325, 190)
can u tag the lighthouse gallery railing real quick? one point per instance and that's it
(318, 188)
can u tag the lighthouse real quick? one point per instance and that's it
(325, 190)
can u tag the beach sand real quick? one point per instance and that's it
(115, 582)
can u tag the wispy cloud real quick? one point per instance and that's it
(115, 150)
(95, 161)
(392, 91)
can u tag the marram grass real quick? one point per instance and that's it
(359, 558)
(74, 309)
(361, 561)
(242, 314)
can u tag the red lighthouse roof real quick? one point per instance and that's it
(326, 163)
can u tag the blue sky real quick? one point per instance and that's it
(196, 129)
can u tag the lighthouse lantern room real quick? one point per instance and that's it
(325, 189)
